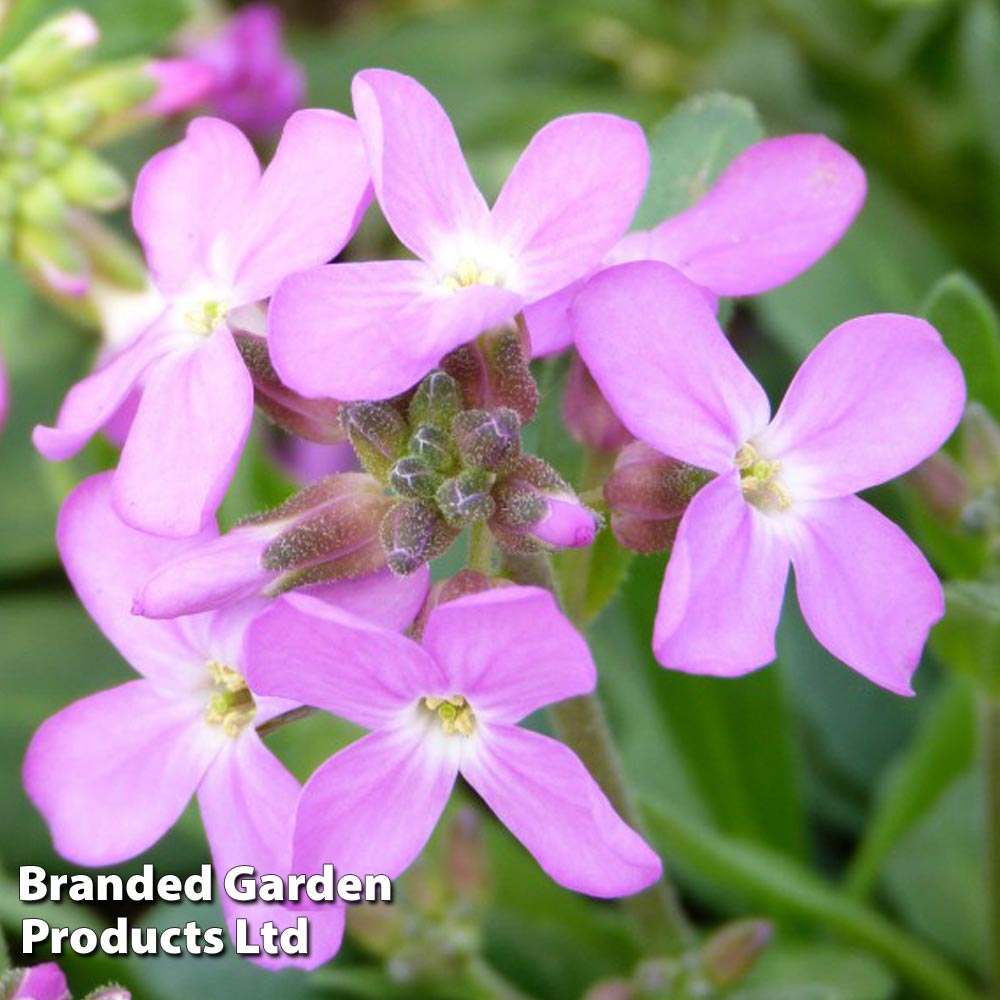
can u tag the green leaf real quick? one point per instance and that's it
(943, 749)
(967, 639)
(816, 972)
(735, 738)
(935, 879)
(690, 148)
(967, 321)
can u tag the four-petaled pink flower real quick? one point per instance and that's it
(877, 396)
(372, 330)
(448, 707)
(776, 209)
(218, 235)
(114, 771)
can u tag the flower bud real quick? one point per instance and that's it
(465, 498)
(942, 487)
(54, 52)
(494, 371)
(42, 204)
(68, 116)
(316, 420)
(611, 989)
(378, 433)
(115, 91)
(53, 259)
(413, 477)
(180, 85)
(329, 531)
(980, 447)
(112, 258)
(730, 953)
(413, 533)
(113, 991)
(435, 402)
(90, 182)
(588, 415)
(647, 494)
(433, 447)
(488, 439)
(536, 509)
(465, 581)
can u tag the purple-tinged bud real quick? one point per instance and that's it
(488, 439)
(494, 371)
(465, 497)
(414, 533)
(942, 487)
(436, 402)
(113, 991)
(648, 493)
(40, 982)
(378, 434)
(180, 85)
(730, 953)
(54, 52)
(980, 447)
(316, 420)
(434, 448)
(52, 261)
(378, 928)
(329, 531)
(413, 477)
(465, 581)
(588, 415)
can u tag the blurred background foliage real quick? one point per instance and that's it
(847, 815)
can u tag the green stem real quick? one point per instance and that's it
(480, 548)
(990, 728)
(485, 983)
(781, 887)
(582, 725)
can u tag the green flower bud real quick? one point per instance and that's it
(412, 477)
(68, 116)
(413, 533)
(435, 402)
(488, 439)
(434, 448)
(90, 182)
(730, 953)
(42, 204)
(114, 88)
(52, 259)
(466, 497)
(50, 153)
(54, 52)
(378, 434)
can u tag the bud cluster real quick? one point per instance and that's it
(449, 455)
(54, 107)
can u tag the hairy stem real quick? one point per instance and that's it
(292, 715)
(990, 728)
(480, 548)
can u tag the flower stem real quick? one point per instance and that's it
(582, 725)
(990, 729)
(480, 548)
(292, 715)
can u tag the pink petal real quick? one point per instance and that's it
(547, 321)
(874, 398)
(113, 772)
(421, 178)
(307, 205)
(370, 809)
(865, 589)
(247, 801)
(656, 351)
(95, 400)
(724, 585)
(187, 196)
(186, 440)
(510, 651)
(570, 196)
(543, 794)
(316, 654)
(106, 561)
(779, 207)
(372, 330)
(180, 85)
(381, 598)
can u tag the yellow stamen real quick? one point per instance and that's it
(759, 480)
(454, 713)
(231, 705)
(205, 317)
(469, 273)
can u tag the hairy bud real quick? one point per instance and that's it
(434, 448)
(378, 433)
(588, 415)
(413, 477)
(730, 953)
(413, 533)
(465, 498)
(465, 581)
(435, 402)
(488, 439)
(536, 509)
(647, 494)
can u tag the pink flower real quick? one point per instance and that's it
(40, 982)
(448, 707)
(878, 395)
(218, 235)
(776, 209)
(256, 84)
(371, 330)
(114, 771)
(180, 84)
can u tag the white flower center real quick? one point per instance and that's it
(231, 705)
(759, 480)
